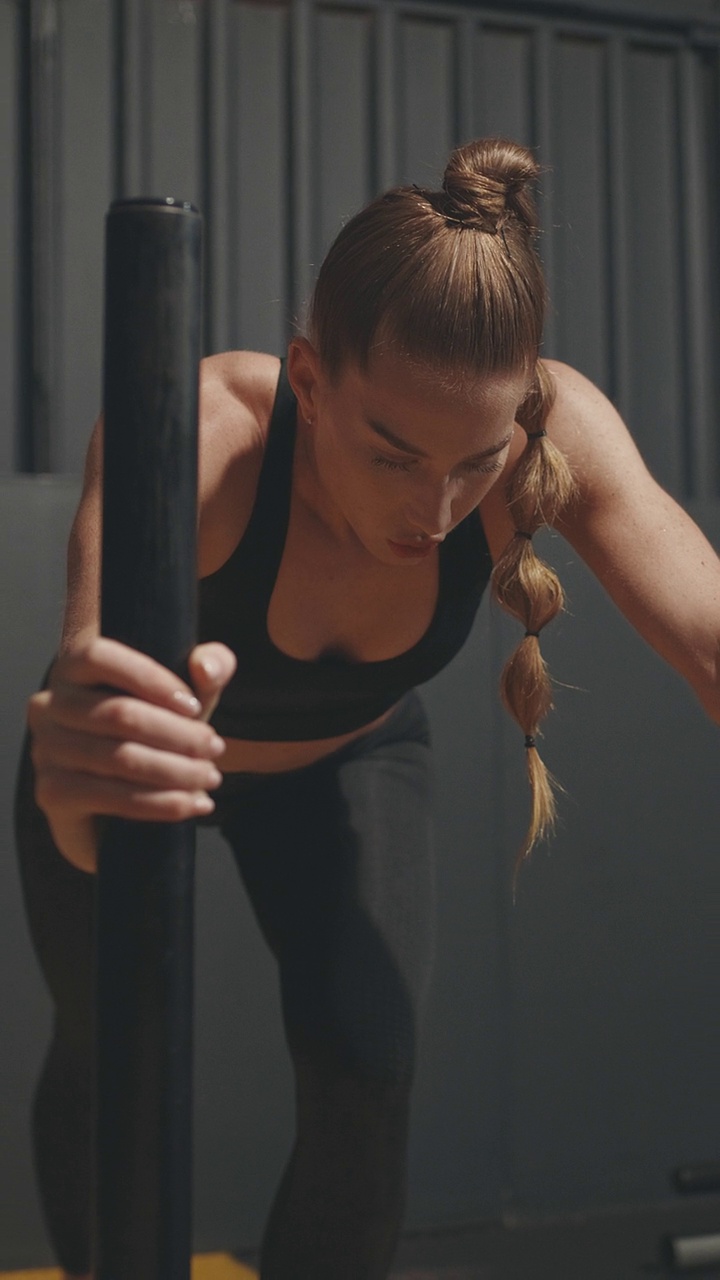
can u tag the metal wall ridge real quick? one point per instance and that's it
(280, 120)
(681, 16)
(592, 20)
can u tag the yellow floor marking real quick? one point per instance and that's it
(205, 1266)
(52, 1273)
(220, 1266)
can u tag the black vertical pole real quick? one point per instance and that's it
(144, 955)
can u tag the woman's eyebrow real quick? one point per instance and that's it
(398, 443)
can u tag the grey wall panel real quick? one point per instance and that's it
(176, 104)
(700, 170)
(160, 109)
(580, 285)
(218, 71)
(343, 130)
(426, 82)
(612, 982)
(427, 108)
(543, 81)
(41, 20)
(503, 83)
(387, 62)
(459, 1151)
(708, 451)
(465, 69)
(134, 31)
(8, 234)
(656, 14)
(618, 205)
(258, 170)
(35, 515)
(302, 195)
(86, 190)
(656, 300)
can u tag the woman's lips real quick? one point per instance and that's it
(412, 550)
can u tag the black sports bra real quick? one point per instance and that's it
(275, 697)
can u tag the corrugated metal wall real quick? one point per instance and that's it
(281, 119)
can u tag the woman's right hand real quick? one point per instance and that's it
(116, 733)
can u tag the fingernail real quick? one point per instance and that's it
(203, 804)
(211, 668)
(217, 745)
(187, 702)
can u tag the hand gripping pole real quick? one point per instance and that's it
(144, 947)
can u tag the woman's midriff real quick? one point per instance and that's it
(242, 756)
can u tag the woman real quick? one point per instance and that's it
(352, 505)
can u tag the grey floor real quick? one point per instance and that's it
(628, 1245)
(610, 1245)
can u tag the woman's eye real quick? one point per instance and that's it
(487, 468)
(390, 464)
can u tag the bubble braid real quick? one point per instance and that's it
(525, 586)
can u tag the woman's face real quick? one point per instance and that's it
(395, 458)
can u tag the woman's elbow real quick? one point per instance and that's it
(707, 687)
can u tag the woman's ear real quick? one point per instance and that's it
(304, 373)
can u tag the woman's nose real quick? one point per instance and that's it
(430, 511)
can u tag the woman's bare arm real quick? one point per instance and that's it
(652, 559)
(115, 732)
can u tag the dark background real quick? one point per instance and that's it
(571, 1057)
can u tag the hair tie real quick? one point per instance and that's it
(529, 741)
(520, 533)
(536, 435)
(533, 633)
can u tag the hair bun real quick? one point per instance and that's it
(487, 182)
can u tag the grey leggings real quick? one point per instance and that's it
(336, 859)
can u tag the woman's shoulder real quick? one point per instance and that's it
(582, 419)
(237, 392)
(583, 424)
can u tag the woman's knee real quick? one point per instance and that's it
(349, 1029)
(352, 1125)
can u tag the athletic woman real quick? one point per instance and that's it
(353, 503)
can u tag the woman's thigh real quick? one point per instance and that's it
(60, 907)
(337, 860)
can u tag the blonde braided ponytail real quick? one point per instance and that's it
(528, 589)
